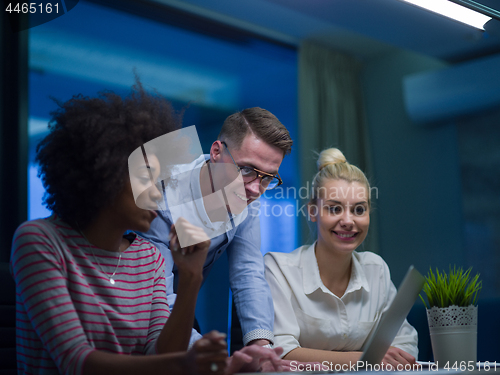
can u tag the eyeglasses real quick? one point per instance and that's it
(249, 174)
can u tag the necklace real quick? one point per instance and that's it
(111, 280)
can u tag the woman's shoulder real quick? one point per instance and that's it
(41, 227)
(285, 259)
(141, 245)
(49, 239)
(372, 264)
(369, 258)
(140, 241)
(30, 227)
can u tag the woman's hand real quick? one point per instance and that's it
(176, 333)
(208, 355)
(254, 358)
(395, 357)
(191, 258)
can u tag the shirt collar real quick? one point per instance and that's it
(198, 198)
(311, 280)
(196, 192)
(358, 279)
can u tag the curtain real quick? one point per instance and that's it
(331, 115)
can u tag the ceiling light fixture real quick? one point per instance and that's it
(452, 10)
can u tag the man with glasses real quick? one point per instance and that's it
(243, 163)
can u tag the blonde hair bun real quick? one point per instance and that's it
(330, 156)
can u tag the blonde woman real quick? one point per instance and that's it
(327, 296)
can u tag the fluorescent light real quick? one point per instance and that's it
(452, 10)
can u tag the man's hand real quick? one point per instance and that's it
(395, 356)
(255, 358)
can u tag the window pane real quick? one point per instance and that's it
(92, 48)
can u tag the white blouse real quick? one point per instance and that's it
(307, 314)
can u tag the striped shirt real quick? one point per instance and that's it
(66, 305)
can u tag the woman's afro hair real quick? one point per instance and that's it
(83, 160)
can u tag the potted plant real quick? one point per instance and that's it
(452, 316)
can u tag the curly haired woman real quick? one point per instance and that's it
(91, 300)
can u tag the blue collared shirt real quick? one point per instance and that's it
(251, 292)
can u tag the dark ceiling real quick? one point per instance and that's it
(362, 27)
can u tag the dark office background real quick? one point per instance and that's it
(438, 185)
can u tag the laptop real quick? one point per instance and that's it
(380, 339)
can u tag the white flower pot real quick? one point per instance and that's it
(453, 334)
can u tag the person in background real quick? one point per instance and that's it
(327, 296)
(253, 142)
(91, 295)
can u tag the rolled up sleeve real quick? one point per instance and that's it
(251, 292)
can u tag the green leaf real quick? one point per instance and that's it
(453, 288)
